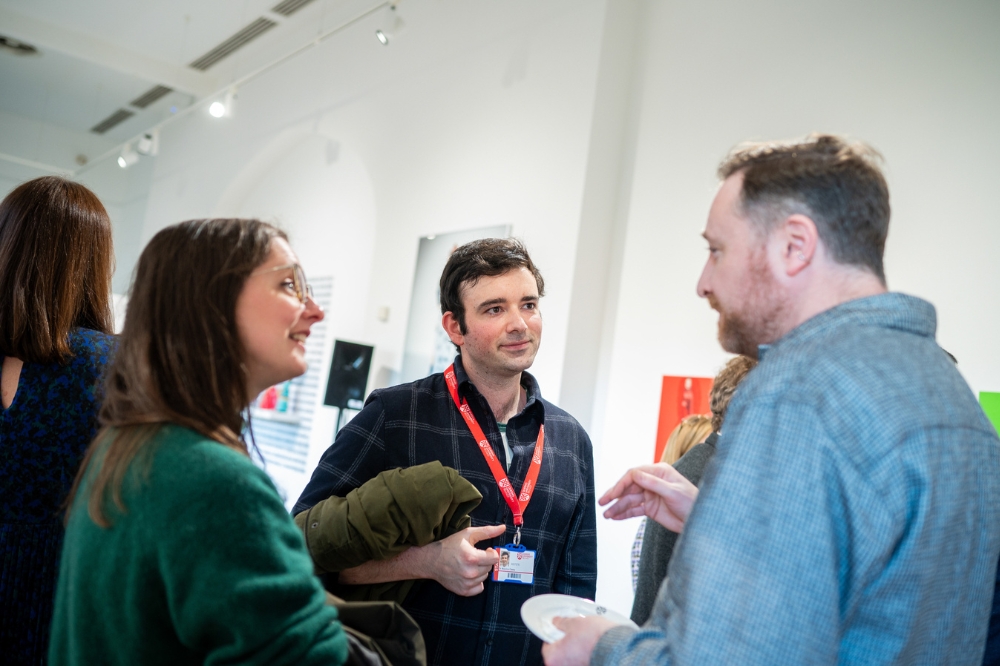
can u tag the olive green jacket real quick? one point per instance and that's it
(397, 509)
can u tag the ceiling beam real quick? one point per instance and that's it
(97, 51)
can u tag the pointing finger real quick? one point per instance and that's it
(477, 534)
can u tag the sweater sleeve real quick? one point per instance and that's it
(237, 578)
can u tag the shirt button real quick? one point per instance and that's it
(489, 641)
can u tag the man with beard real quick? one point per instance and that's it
(483, 416)
(852, 511)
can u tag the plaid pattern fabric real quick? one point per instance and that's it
(407, 425)
(851, 514)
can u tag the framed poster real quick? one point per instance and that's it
(679, 397)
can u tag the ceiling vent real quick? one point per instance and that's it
(240, 39)
(150, 96)
(119, 116)
(289, 7)
(20, 48)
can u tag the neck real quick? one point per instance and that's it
(503, 392)
(837, 286)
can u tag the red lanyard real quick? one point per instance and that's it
(516, 504)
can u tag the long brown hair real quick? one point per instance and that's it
(180, 359)
(56, 261)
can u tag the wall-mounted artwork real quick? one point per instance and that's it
(679, 397)
(991, 405)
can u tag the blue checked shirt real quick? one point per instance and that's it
(851, 515)
(415, 423)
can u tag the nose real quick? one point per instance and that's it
(313, 311)
(516, 322)
(702, 287)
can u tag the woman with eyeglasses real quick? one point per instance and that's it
(178, 548)
(56, 261)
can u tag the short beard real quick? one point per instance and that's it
(759, 321)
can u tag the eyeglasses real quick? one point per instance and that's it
(303, 290)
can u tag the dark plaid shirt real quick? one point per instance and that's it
(415, 423)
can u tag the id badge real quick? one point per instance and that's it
(517, 565)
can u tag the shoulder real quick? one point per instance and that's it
(193, 464)
(693, 463)
(564, 429)
(391, 396)
(92, 348)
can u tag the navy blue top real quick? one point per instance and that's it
(415, 423)
(43, 436)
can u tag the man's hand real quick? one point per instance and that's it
(582, 634)
(658, 491)
(457, 564)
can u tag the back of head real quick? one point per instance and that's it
(56, 262)
(482, 258)
(180, 359)
(837, 184)
(724, 386)
(690, 431)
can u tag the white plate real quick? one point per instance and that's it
(537, 613)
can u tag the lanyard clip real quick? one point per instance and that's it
(517, 536)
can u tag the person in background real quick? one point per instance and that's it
(852, 512)
(658, 541)
(56, 261)
(178, 548)
(690, 431)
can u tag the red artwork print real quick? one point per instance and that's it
(681, 396)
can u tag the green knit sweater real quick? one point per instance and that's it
(205, 566)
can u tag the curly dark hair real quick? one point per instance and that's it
(724, 386)
(486, 257)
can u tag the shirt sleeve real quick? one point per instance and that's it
(577, 572)
(357, 454)
(237, 579)
(760, 575)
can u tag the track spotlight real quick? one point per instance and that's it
(225, 108)
(391, 24)
(149, 143)
(128, 157)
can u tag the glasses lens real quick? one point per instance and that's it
(302, 289)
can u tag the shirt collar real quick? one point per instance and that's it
(528, 381)
(890, 310)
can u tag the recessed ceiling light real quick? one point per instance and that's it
(217, 110)
(381, 37)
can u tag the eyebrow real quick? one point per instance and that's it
(501, 301)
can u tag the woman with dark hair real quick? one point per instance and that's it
(56, 261)
(178, 548)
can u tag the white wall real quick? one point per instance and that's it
(918, 80)
(475, 116)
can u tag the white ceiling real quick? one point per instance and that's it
(95, 57)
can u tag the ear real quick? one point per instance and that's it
(451, 326)
(799, 239)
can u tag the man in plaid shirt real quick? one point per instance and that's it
(490, 291)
